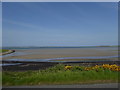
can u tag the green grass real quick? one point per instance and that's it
(58, 75)
(3, 50)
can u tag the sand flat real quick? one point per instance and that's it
(62, 52)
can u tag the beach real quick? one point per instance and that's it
(47, 53)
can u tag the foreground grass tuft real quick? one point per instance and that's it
(59, 74)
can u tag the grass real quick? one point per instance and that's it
(3, 50)
(59, 75)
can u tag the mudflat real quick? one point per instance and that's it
(46, 53)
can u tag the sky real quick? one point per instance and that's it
(59, 23)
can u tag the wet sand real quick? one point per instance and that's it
(61, 52)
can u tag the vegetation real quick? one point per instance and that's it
(61, 74)
(3, 50)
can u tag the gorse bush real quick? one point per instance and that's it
(103, 67)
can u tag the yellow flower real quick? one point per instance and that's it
(113, 67)
(105, 65)
(88, 68)
(118, 68)
(68, 67)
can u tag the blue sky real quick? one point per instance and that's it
(60, 24)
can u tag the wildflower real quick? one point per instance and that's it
(106, 66)
(113, 67)
(118, 68)
(96, 67)
(88, 68)
(68, 67)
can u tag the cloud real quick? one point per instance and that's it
(28, 25)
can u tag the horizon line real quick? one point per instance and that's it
(65, 46)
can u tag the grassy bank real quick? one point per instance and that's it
(61, 74)
(3, 50)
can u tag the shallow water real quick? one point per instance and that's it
(10, 64)
(52, 59)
